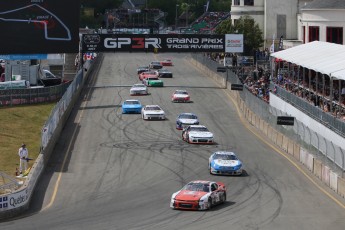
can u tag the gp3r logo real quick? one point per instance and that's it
(134, 43)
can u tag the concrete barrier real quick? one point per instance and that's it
(290, 147)
(341, 187)
(285, 143)
(318, 168)
(325, 174)
(333, 181)
(296, 152)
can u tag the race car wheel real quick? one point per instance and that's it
(223, 198)
(210, 203)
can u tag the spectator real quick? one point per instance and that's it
(23, 154)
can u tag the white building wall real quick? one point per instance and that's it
(322, 19)
(273, 8)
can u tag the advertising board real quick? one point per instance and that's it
(151, 42)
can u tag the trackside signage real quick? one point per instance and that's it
(285, 120)
(14, 200)
(153, 42)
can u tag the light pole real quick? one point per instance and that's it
(176, 16)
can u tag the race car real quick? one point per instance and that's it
(155, 65)
(227, 163)
(153, 81)
(167, 62)
(199, 195)
(138, 89)
(131, 106)
(180, 96)
(197, 134)
(147, 74)
(185, 119)
(164, 73)
(150, 112)
(141, 69)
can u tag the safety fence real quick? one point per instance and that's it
(9, 97)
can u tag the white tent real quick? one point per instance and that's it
(326, 58)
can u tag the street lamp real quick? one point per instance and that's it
(176, 16)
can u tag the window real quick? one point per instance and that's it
(335, 35)
(249, 2)
(314, 33)
(236, 2)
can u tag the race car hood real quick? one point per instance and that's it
(188, 121)
(230, 163)
(200, 134)
(190, 195)
(154, 112)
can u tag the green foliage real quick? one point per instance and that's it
(252, 34)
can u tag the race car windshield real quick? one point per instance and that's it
(139, 85)
(225, 157)
(200, 187)
(151, 72)
(131, 102)
(153, 79)
(181, 92)
(153, 108)
(187, 116)
(199, 129)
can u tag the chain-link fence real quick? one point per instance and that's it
(10, 97)
(315, 143)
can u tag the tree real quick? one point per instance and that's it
(252, 35)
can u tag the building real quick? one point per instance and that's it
(322, 21)
(297, 21)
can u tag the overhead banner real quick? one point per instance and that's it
(39, 27)
(153, 43)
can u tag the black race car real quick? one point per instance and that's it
(164, 73)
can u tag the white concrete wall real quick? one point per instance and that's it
(312, 124)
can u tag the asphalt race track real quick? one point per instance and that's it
(114, 171)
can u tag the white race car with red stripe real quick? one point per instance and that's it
(199, 195)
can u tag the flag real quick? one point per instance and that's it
(272, 47)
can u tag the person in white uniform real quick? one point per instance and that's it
(23, 154)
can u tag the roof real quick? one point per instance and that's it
(324, 57)
(324, 4)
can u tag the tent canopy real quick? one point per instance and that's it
(324, 57)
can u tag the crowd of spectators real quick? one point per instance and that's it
(315, 91)
(209, 21)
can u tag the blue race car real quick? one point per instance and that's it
(131, 106)
(227, 163)
(185, 119)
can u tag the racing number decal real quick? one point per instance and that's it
(140, 43)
